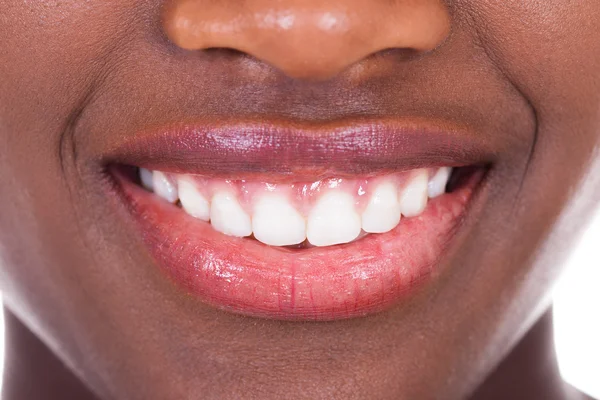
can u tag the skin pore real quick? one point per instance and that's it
(80, 288)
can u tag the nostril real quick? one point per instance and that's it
(226, 52)
(397, 54)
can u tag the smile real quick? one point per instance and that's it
(321, 231)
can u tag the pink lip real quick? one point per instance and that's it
(250, 278)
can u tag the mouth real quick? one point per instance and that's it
(300, 223)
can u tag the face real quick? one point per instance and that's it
(147, 302)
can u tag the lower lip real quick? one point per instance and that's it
(246, 277)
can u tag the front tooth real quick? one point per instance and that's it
(413, 199)
(333, 220)
(276, 222)
(164, 187)
(437, 184)
(192, 201)
(383, 211)
(146, 178)
(228, 216)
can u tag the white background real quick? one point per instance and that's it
(576, 311)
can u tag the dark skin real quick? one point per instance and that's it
(79, 286)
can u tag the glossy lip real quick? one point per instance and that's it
(338, 282)
(284, 151)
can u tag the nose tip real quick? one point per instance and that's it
(310, 39)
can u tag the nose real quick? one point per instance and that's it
(311, 39)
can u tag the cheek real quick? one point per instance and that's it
(543, 50)
(55, 50)
(551, 52)
(40, 88)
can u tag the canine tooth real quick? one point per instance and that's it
(437, 184)
(276, 222)
(146, 179)
(192, 201)
(333, 220)
(383, 211)
(164, 187)
(413, 199)
(228, 216)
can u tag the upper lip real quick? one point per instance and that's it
(284, 150)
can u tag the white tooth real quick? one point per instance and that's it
(228, 216)
(276, 222)
(333, 220)
(146, 178)
(437, 184)
(164, 187)
(413, 199)
(383, 211)
(192, 201)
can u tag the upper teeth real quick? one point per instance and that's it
(164, 186)
(414, 196)
(192, 200)
(437, 184)
(333, 220)
(228, 216)
(283, 215)
(383, 211)
(276, 222)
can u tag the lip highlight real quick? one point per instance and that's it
(244, 276)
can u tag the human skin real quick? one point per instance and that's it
(77, 75)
